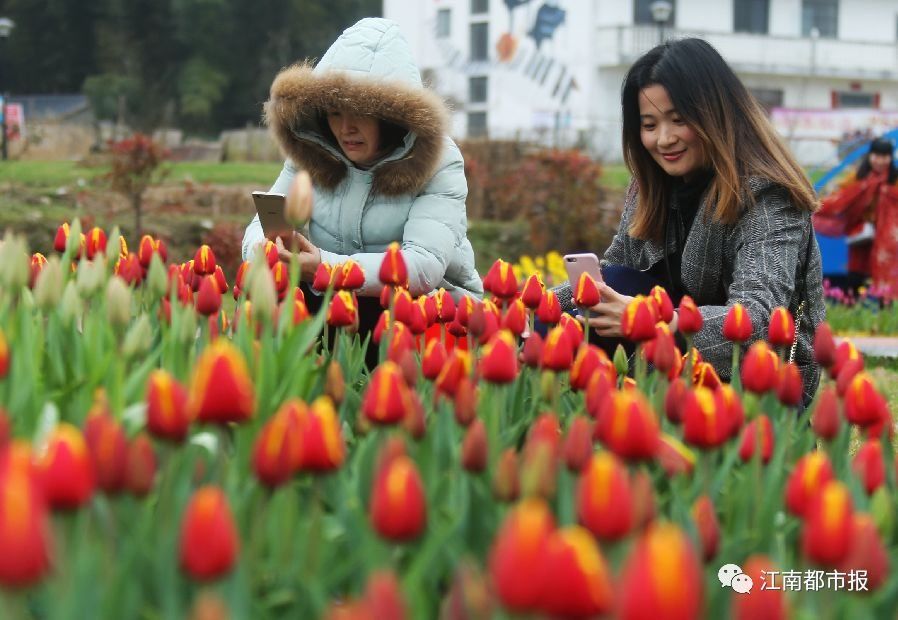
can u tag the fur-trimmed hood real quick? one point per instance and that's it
(368, 70)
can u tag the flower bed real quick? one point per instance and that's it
(161, 458)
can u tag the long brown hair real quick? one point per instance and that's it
(737, 139)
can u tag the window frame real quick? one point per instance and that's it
(483, 54)
(748, 10)
(808, 22)
(444, 23)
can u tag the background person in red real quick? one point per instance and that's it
(865, 209)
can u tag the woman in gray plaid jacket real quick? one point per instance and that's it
(718, 208)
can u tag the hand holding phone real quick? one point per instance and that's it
(577, 264)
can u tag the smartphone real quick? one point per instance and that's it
(270, 208)
(576, 264)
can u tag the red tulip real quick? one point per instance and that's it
(586, 291)
(639, 318)
(577, 447)
(515, 319)
(869, 465)
(850, 369)
(707, 526)
(398, 503)
(428, 304)
(129, 269)
(474, 448)
(38, 262)
(434, 359)
(387, 399)
(221, 390)
(532, 293)
(108, 448)
(604, 497)
(760, 602)
(445, 306)
(549, 310)
(299, 312)
(824, 345)
(321, 440)
(465, 402)
(208, 299)
(825, 419)
(589, 360)
(532, 354)
(674, 457)
(96, 242)
(24, 529)
(343, 311)
(812, 471)
(704, 375)
(167, 413)
(737, 324)
(140, 470)
(868, 553)
(276, 450)
(826, 533)
(67, 471)
(675, 399)
(204, 261)
(705, 422)
(662, 577)
(383, 597)
(729, 401)
(864, 405)
(280, 276)
(578, 580)
(499, 363)
(348, 276)
(689, 318)
(846, 352)
(506, 482)
(628, 426)
(574, 330)
(518, 557)
(500, 280)
(781, 330)
(790, 389)
(393, 271)
(145, 250)
(558, 353)
(209, 541)
(760, 368)
(663, 304)
(323, 277)
(751, 441)
(62, 238)
(457, 366)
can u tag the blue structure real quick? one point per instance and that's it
(834, 250)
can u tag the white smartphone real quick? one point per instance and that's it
(576, 264)
(270, 208)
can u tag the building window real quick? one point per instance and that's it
(444, 17)
(642, 12)
(480, 41)
(822, 15)
(476, 124)
(855, 100)
(479, 6)
(769, 98)
(751, 16)
(477, 89)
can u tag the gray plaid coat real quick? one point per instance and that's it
(754, 262)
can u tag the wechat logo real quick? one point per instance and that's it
(731, 576)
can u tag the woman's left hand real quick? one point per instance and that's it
(309, 255)
(605, 316)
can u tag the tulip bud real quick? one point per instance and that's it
(515, 319)
(321, 439)
(558, 354)
(118, 302)
(864, 405)
(533, 350)
(499, 361)
(140, 470)
(549, 310)
(506, 484)
(586, 292)
(208, 299)
(465, 402)
(348, 276)
(261, 290)
(48, 287)
(458, 365)
(398, 503)
(108, 448)
(433, 360)
(790, 389)
(221, 390)
(90, 277)
(15, 262)
(760, 368)
(474, 450)
(298, 205)
(24, 530)
(532, 293)
(825, 420)
(824, 345)
(335, 384)
(500, 280)
(578, 580)
(628, 426)
(387, 398)
(689, 318)
(781, 330)
(604, 497)
(393, 271)
(757, 437)
(707, 526)
(705, 423)
(827, 529)
(209, 540)
(70, 307)
(276, 450)
(737, 325)
(68, 473)
(639, 318)
(868, 464)
(167, 416)
(139, 338)
(577, 447)
(812, 471)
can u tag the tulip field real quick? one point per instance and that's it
(166, 452)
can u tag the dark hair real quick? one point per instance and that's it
(882, 146)
(738, 140)
(391, 136)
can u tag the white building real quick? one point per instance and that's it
(824, 67)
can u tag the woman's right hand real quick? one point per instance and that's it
(605, 316)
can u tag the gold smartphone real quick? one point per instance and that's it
(270, 208)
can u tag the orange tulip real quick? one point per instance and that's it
(67, 472)
(577, 447)
(108, 448)
(167, 413)
(209, 542)
(24, 529)
(604, 497)
(781, 330)
(589, 360)
(628, 426)
(662, 303)
(204, 261)
(707, 526)
(689, 319)
(532, 293)
(759, 602)
(864, 405)
(760, 368)
(393, 271)
(38, 262)
(276, 450)
(387, 399)
(752, 442)
(705, 422)
(518, 556)
(343, 311)
(826, 533)
(578, 580)
(140, 470)
(515, 318)
(499, 363)
(662, 578)
(96, 242)
(434, 359)
(639, 318)
(474, 448)
(586, 291)
(348, 276)
(558, 354)
(812, 471)
(789, 389)
(737, 324)
(500, 280)
(825, 420)
(457, 366)
(221, 390)
(398, 503)
(321, 440)
(549, 310)
(869, 465)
